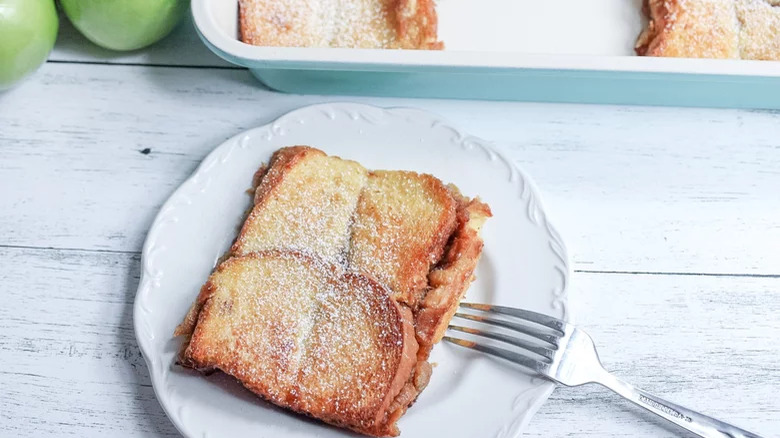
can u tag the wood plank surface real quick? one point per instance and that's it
(671, 217)
(72, 366)
(630, 188)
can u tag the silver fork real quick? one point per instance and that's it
(567, 355)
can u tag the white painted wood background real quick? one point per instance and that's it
(671, 217)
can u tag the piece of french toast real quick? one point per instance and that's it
(367, 24)
(415, 240)
(401, 225)
(730, 29)
(306, 335)
(304, 200)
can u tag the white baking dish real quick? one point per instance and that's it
(563, 51)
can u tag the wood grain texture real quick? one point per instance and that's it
(72, 367)
(91, 146)
(707, 343)
(630, 189)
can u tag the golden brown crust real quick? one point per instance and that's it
(759, 23)
(450, 279)
(691, 29)
(406, 368)
(402, 222)
(327, 383)
(191, 319)
(264, 182)
(335, 347)
(735, 29)
(418, 380)
(280, 163)
(392, 24)
(418, 24)
(304, 201)
(426, 266)
(448, 283)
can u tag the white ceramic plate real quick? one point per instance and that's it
(524, 264)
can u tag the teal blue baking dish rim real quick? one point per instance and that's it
(498, 76)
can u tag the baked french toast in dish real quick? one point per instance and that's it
(359, 24)
(728, 29)
(336, 289)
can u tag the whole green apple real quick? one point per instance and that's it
(28, 29)
(124, 24)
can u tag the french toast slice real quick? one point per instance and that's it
(402, 222)
(407, 232)
(306, 335)
(729, 29)
(304, 200)
(366, 24)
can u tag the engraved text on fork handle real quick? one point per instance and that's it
(693, 421)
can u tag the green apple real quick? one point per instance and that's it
(124, 24)
(28, 29)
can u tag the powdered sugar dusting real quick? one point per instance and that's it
(322, 23)
(293, 317)
(307, 208)
(382, 223)
(303, 333)
(759, 29)
(397, 225)
(355, 350)
(746, 29)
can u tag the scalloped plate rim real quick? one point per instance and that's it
(209, 160)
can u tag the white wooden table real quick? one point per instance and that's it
(671, 217)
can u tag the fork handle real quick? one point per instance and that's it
(693, 421)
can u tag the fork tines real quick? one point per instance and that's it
(543, 328)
